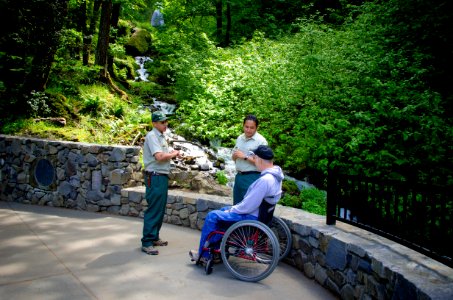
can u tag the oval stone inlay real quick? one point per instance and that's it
(44, 172)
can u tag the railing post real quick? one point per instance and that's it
(331, 198)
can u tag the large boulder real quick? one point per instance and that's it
(204, 183)
(139, 43)
(201, 182)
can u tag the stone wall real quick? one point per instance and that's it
(350, 262)
(67, 174)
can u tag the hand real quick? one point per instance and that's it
(175, 153)
(238, 154)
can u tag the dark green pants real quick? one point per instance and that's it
(156, 197)
(241, 185)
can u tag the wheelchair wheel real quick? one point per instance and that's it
(209, 266)
(250, 250)
(283, 234)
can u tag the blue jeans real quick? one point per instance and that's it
(211, 223)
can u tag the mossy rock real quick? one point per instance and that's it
(124, 28)
(127, 65)
(59, 107)
(139, 43)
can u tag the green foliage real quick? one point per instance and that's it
(27, 46)
(13, 127)
(290, 187)
(117, 109)
(37, 102)
(149, 90)
(221, 177)
(136, 10)
(91, 104)
(117, 50)
(161, 72)
(312, 200)
(60, 106)
(125, 68)
(70, 46)
(291, 201)
(338, 97)
(67, 75)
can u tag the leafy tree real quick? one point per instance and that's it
(28, 46)
(327, 96)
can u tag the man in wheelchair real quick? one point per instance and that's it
(266, 188)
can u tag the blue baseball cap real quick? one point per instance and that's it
(265, 152)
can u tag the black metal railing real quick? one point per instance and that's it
(415, 215)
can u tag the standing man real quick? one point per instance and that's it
(156, 158)
(246, 170)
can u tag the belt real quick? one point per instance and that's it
(248, 172)
(152, 173)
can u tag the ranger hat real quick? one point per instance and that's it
(158, 116)
(265, 152)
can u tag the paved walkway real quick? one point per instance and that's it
(55, 253)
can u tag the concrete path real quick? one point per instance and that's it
(55, 253)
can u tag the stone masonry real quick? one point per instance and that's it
(350, 262)
(67, 174)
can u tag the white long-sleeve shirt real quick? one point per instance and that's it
(268, 187)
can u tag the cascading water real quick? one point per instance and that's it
(168, 109)
(143, 74)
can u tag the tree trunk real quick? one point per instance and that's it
(218, 7)
(89, 30)
(114, 23)
(85, 48)
(39, 74)
(103, 37)
(101, 58)
(228, 29)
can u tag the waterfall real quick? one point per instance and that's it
(166, 108)
(157, 19)
(143, 74)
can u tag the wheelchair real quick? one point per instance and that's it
(249, 249)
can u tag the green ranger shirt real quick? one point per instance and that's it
(155, 142)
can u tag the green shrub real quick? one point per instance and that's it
(37, 102)
(310, 199)
(221, 177)
(15, 126)
(117, 109)
(290, 187)
(314, 201)
(91, 105)
(291, 201)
